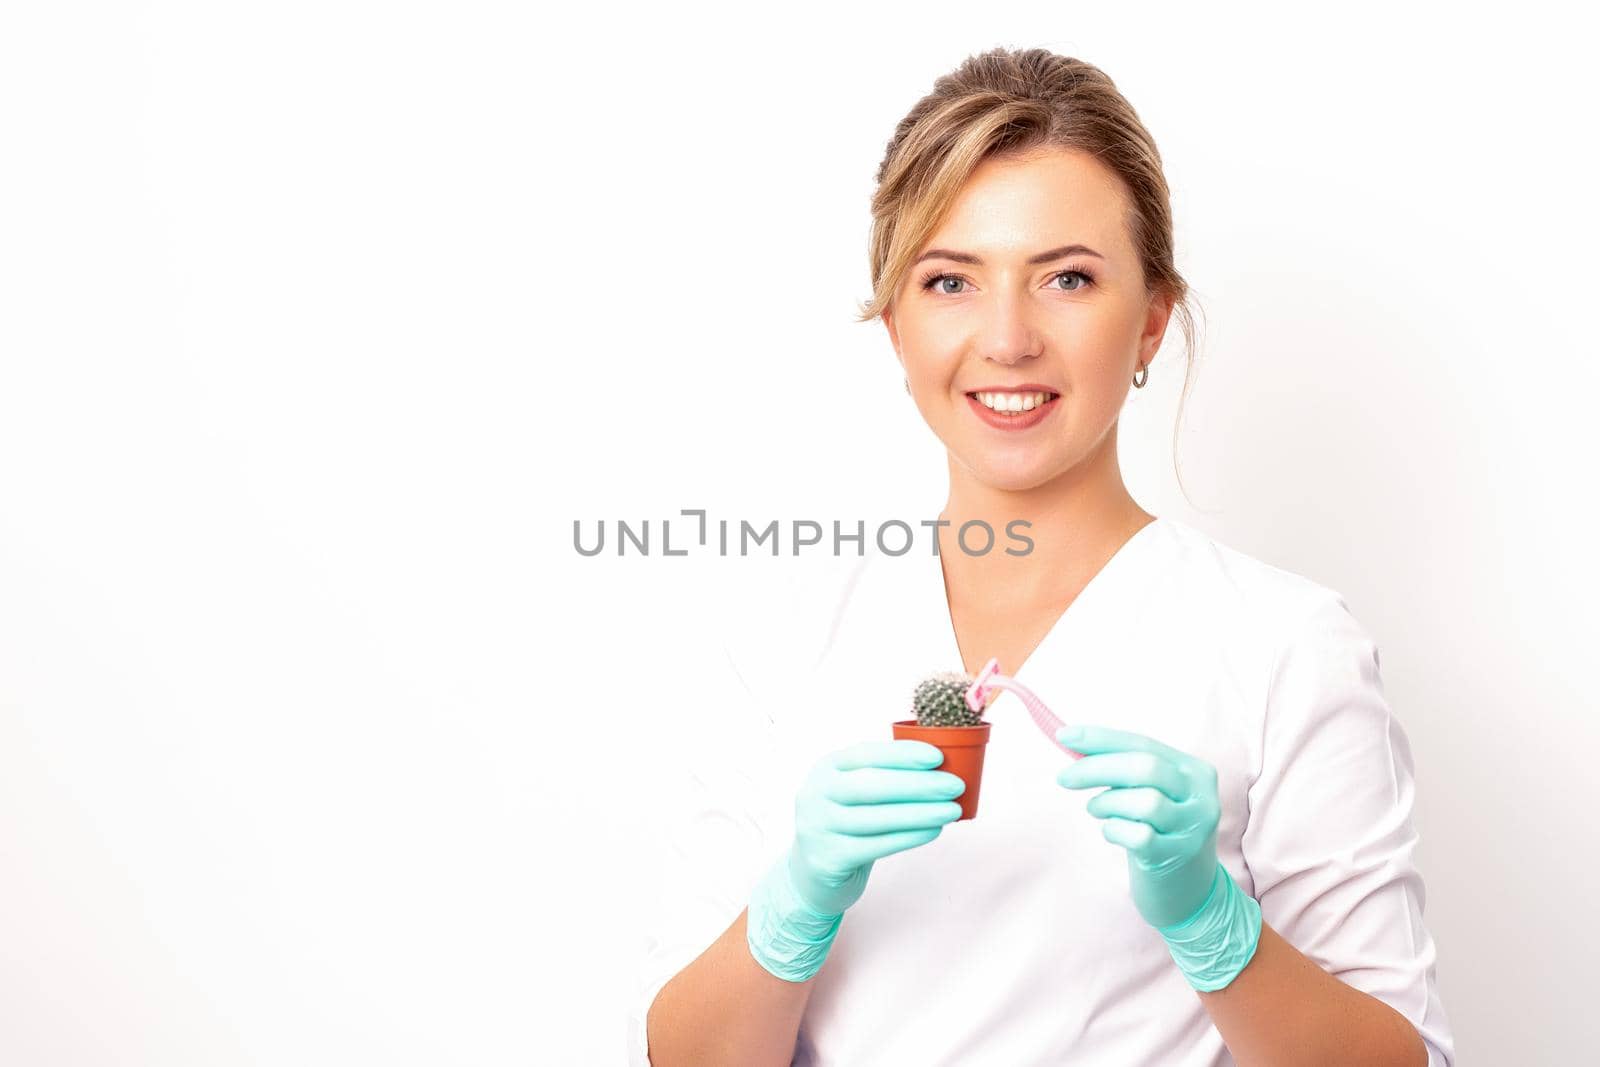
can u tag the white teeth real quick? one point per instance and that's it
(1009, 402)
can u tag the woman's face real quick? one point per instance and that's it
(993, 305)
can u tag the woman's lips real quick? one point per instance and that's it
(1020, 421)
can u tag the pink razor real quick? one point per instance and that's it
(990, 679)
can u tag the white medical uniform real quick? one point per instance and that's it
(1012, 939)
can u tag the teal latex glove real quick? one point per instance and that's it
(856, 806)
(1163, 808)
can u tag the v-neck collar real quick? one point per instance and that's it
(1102, 583)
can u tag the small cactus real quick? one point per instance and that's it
(941, 700)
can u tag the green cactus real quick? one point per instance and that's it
(941, 700)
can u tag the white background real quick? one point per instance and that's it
(320, 323)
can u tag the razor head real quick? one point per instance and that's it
(978, 692)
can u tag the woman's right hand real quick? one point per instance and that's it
(860, 804)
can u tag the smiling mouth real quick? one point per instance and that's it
(1013, 403)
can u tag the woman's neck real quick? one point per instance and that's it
(1075, 522)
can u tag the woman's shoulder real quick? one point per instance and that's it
(1266, 598)
(1308, 660)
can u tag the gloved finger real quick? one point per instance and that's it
(1140, 804)
(860, 851)
(1126, 769)
(862, 819)
(886, 785)
(1162, 850)
(1137, 837)
(901, 752)
(1094, 739)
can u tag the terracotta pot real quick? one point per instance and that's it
(963, 748)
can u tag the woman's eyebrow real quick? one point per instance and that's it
(1042, 257)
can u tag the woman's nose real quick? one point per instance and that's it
(1009, 333)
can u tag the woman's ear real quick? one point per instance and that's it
(1155, 328)
(894, 338)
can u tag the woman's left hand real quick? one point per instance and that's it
(1162, 807)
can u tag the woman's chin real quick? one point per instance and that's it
(1013, 477)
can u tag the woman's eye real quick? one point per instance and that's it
(950, 284)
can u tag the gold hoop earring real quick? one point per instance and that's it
(1138, 382)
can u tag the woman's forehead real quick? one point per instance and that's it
(1010, 210)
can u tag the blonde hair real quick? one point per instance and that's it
(1007, 102)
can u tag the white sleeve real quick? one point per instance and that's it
(709, 845)
(1330, 836)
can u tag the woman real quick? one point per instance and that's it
(1241, 889)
